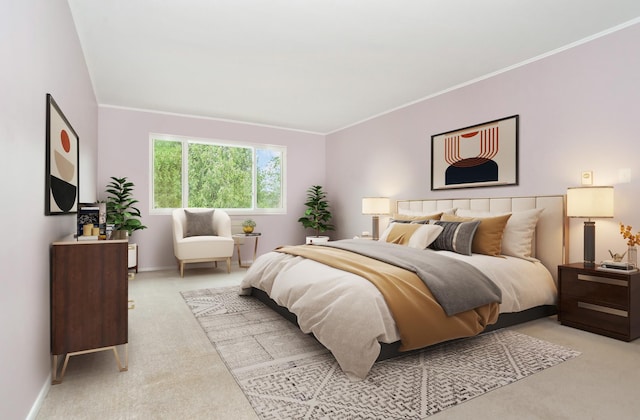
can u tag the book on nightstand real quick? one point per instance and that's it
(617, 267)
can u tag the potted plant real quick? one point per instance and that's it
(121, 210)
(317, 215)
(248, 225)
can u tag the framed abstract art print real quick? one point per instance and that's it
(62, 160)
(483, 155)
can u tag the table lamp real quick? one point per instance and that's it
(590, 202)
(375, 206)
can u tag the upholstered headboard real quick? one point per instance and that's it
(550, 244)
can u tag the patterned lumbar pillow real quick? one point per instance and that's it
(199, 223)
(455, 236)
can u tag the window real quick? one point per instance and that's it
(240, 178)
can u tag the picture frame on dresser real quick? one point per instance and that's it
(62, 162)
(481, 155)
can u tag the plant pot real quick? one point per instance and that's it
(247, 229)
(316, 239)
(120, 234)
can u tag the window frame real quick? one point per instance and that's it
(185, 140)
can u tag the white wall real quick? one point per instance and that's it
(40, 54)
(124, 151)
(578, 111)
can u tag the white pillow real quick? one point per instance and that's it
(421, 238)
(518, 233)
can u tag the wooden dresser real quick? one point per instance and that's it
(89, 292)
(602, 302)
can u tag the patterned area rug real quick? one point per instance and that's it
(286, 374)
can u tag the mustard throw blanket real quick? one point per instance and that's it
(420, 320)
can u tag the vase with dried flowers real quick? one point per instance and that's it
(632, 240)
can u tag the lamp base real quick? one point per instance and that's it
(375, 227)
(589, 243)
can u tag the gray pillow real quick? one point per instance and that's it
(199, 223)
(455, 236)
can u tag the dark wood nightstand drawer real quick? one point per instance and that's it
(596, 318)
(603, 290)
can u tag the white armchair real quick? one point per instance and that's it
(199, 236)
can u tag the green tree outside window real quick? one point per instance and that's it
(228, 176)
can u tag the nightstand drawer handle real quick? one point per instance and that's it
(603, 309)
(604, 280)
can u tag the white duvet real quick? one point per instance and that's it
(349, 316)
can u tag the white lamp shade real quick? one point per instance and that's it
(375, 205)
(590, 202)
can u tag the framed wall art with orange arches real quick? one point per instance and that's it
(62, 160)
(482, 155)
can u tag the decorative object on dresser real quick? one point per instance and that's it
(317, 216)
(376, 207)
(92, 221)
(482, 155)
(602, 302)
(62, 160)
(121, 208)
(588, 203)
(89, 288)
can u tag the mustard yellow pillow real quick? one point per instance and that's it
(413, 235)
(401, 233)
(488, 237)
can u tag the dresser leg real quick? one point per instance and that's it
(58, 379)
(126, 358)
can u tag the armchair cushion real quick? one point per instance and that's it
(199, 223)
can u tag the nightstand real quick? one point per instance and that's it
(599, 301)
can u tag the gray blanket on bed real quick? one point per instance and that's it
(456, 285)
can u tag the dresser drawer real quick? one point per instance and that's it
(605, 290)
(593, 317)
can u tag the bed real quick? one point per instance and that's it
(356, 319)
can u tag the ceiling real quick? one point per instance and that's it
(317, 65)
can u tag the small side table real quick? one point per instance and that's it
(133, 257)
(238, 238)
(598, 301)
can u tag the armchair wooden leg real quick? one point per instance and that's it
(181, 264)
(228, 265)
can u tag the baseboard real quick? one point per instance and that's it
(37, 404)
(159, 268)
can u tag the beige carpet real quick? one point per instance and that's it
(175, 372)
(286, 374)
